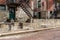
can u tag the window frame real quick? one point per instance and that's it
(39, 3)
(2, 7)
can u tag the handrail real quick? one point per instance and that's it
(28, 6)
(22, 1)
(25, 8)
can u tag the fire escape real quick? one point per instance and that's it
(13, 4)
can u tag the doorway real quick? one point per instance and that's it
(39, 15)
(12, 13)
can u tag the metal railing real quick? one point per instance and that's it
(27, 9)
(12, 1)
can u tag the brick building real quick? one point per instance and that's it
(12, 6)
(38, 8)
(44, 8)
(25, 9)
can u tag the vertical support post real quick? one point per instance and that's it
(47, 8)
(56, 8)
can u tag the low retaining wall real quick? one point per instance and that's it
(37, 24)
(48, 22)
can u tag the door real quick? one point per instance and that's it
(39, 15)
(12, 13)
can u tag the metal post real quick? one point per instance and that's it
(46, 8)
(9, 27)
(46, 12)
(55, 8)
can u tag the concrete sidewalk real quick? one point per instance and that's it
(38, 25)
(24, 31)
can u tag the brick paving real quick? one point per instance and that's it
(53, 34)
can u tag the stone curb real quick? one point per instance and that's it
(23, 32)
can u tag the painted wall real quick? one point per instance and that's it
(47, 5)
(31, 3)
(51, 5)
(43, 5)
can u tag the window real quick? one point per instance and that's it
(2, 7)
(39, 4)
(12, 1)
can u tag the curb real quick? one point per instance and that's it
(24, 32)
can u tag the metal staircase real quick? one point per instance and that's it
(23, 4)
(27, 9)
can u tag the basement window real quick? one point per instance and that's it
(2, 7)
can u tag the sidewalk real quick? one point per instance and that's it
(33, 27)
(24, 31)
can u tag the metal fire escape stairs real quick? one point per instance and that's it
(27, 9)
